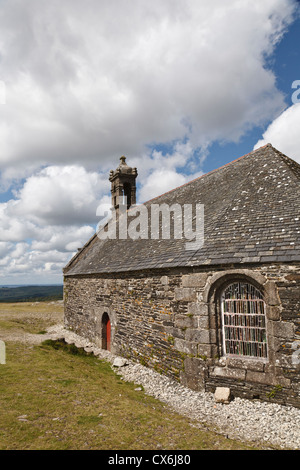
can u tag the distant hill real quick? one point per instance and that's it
(30, 293)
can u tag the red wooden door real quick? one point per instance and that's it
(108, 333)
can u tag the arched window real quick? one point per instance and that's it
(106, 332)
(243, 321)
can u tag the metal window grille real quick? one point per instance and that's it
(244, 321)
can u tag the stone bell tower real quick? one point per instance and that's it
(123, 185)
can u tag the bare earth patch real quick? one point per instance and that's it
(28, 322)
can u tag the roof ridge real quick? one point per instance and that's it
(290, 163)
(210, 172)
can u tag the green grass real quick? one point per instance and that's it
(55, 397)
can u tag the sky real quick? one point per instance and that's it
(178, 87)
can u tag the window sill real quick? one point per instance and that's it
(238, 362)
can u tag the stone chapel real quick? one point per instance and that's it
(226, 313)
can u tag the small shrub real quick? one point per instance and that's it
(274, 391)
(69, 348)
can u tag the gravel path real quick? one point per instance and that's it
(252, 421)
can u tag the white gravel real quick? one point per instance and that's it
(253, 421)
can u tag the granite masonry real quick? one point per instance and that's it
(224, 315)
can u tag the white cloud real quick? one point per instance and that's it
(62, 238)
(55, 196)
(89, 81)
(51, 216)
(283, 133)
(5, 247)
(61, 195)
(159, 182)
(13, 228)
(30, 266)
(162, 172)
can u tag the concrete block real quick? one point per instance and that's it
(284, 330)
(185, 346)
(261, 377)
(194, 280)
(120, 362)
(229, 373)
(197, 308)
(183, 321)
(198, 336)
(222, 395)
(164, 280)
(2, 352)
(273, 312)
(185, 293)
(272, 297)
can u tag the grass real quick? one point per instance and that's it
(56, 397)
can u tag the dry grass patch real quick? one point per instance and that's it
(28, 317)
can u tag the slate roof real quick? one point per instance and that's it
(251, 215)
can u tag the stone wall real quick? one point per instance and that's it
(170, 321)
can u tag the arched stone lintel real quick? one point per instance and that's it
(217, 279)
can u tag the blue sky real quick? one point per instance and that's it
(179, 88)
(285, 62)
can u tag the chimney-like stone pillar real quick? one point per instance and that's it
(123, 185)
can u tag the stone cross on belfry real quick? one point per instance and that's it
(2, 352)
